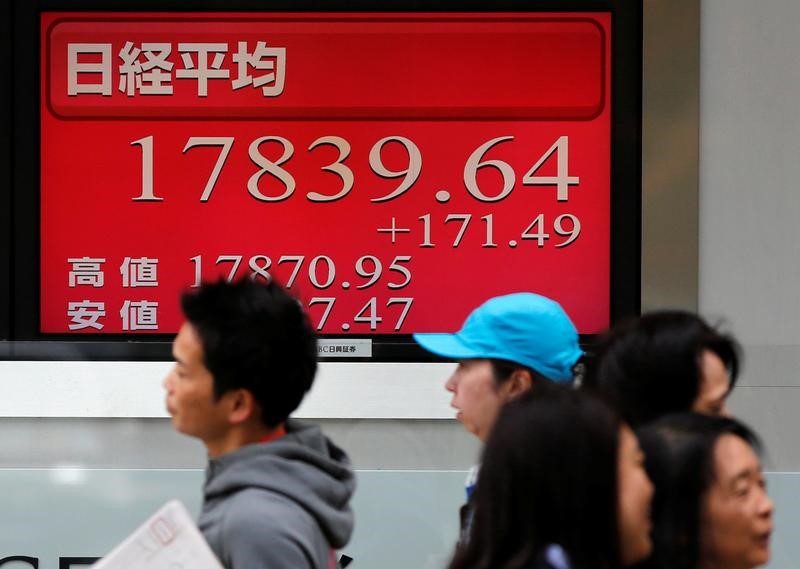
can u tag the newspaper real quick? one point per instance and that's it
(168, 540)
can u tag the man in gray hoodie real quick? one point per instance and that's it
(277, 492)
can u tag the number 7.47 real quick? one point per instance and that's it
(368, 314)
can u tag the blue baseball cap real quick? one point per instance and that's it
(523, 328)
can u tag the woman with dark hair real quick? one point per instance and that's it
(711, 508)
(562, 486)
(664, 362)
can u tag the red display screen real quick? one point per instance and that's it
(394, 170)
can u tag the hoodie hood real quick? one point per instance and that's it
(303, 466)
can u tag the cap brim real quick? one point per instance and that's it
(446, 345)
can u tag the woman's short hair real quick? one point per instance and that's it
(650, 366)
(679, 458)
(502, 371)
(548, 477)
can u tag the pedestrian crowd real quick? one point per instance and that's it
(618, 453)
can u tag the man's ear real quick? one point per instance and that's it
(241, 405)
(518, 383)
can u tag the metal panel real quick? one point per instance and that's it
(670, 153)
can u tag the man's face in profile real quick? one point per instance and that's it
(190, 391)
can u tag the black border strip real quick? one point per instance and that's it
(22, 321)
(626, 162)
(6, 179)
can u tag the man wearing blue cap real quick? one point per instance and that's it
(507, 345)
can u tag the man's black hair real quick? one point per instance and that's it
(650, 366)
(255, 336)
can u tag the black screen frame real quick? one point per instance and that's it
(20, 167)
(6, 181)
